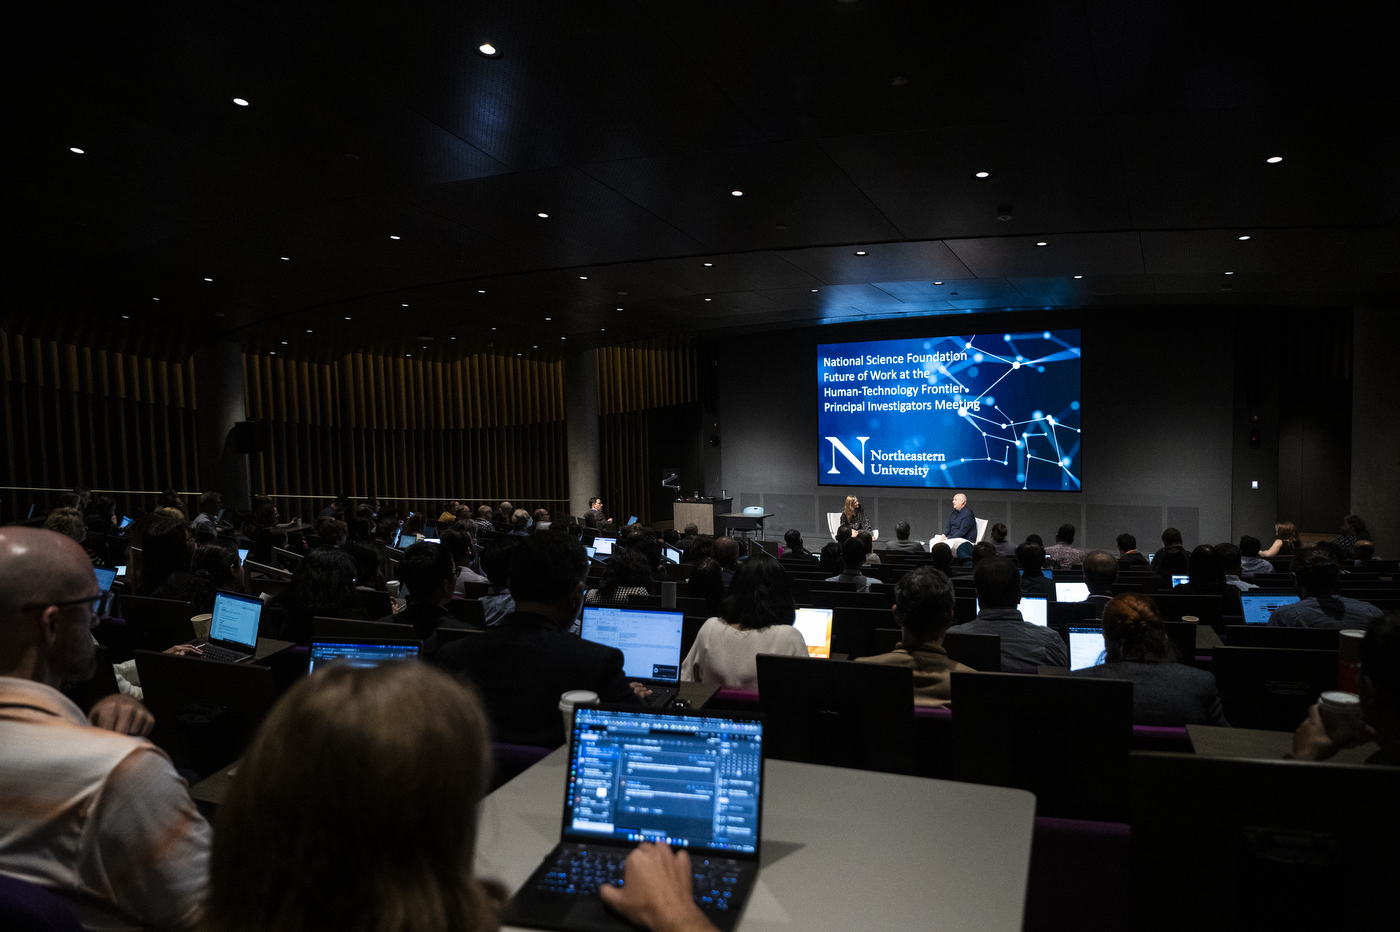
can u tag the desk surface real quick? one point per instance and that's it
(1218, 741)
(842, 849)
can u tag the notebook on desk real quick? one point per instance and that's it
(1259, 604)
(691, 780)
(233, 631)
(650, 641)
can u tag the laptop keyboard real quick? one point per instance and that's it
(221, 654)
(582, 872)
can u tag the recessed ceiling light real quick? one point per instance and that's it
(517, 354)
(862, 252)
(815, 290)
(155, 299)
(392, 236)
(209, 279)
(487, 50)
(453, 338)
(1042, 244)
(126, 317)
(709, 299)
(286, 258)
(308, 331)
(708, 264)
(493, 328)
(563, 338)
(1229, 273)
(403, 305)
(938, 283)
(982, 175)
(619, 309)
(1079, 276)
(583, 278)
(1243, 238)
(272, 352)
(1274, 159)
(75, 150)
(602, 329)
(535, 346)
(409, 355)
(284, 342)
(737, 193)
(347, 318)
(481, 291)
(240, 101)
(549, 318)
(542, 215)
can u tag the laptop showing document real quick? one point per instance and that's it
(1259, 604)
(233, 631)
(106, 575)
(693, 780)
(650, 641)
(1071, 591)
(602, 548)
(815, 626)
(1086, 647)
(361, 652)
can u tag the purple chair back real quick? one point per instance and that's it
(734, 700)
(1157, 738)
(1079, 876)
(933, 742)
(28, 907)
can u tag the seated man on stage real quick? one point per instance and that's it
(961, 527)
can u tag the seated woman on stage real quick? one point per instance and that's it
(334, 824)
(853, 515)
(755, 619)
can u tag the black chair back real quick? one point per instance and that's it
(156, 624)
(1296, 638)
(205, 712)
(323, 627)
(853, 630)
(1271, 687)
(981, 652)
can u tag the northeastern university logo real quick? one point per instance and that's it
(838, 447)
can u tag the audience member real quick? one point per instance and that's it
(1315, 576)
(483, 522)
(70, 500)
(868, 541)
(1024, 646)
(942, 556)
(427, 580)
(91, 811)
(369, 572)
(1100, 573)
(1062, 552)
(68, 522)
(1365, 554)
(997, 533)
(541, 519)
(844, 533)
(1035, 539)
(852, 559)
(853, 515)
(756, 618)
(84, 497)
(215, 566)
(1206, 576)
(706, 582)
(1231, 564)
(923, 609)
(458, 541)
(1031, 559)
(1286, 542)
(1165, 693)
(726, 553)
(830, 558)
(522, 665)
(332, 532)
(1169, 562)
(981, 551)
(1251, 564)
(449, 514)
(902, 542)
(101, 516)
(688, 536)
(167, 546)
(206, 523)
(520, 522)
(1353, 529)
(171, 499)
(1379, 691)
(593, 517)
(322, 585)
(626, 573)
(1128, 555)
(793, 539)
(495, 564)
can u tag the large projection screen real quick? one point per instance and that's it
(979, 411)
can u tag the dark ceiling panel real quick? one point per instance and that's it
(1064, 254)
(792, 184)
(1070, 291)
(859, 297)
(924, 293)
(588, 223)
(738, 272)
(1209, 169)
(1062, 176)
(1223, 250)
(840, 265)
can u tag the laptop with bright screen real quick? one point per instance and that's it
(361, 652)
(602, 548)
(121, 571)
(1180, 580)
(671, 554)
(1032, 609)
(243, 554)
(815, 627)
(105, 576)
(234, 626)
(126, 522)
(1259, 605)
(1086, 647)
(1071, 591)
(650, 640)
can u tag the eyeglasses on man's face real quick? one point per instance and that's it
(100, 604)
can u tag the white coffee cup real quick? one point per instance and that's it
(571, 700)
(1341, 715)
(201, 626)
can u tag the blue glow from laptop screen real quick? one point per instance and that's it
(1086, 648)
(979, 411)
(235, 619)
(650, 640)
(688, 780)
(359, 655)
(1259, 606)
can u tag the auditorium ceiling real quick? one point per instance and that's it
(316, 178)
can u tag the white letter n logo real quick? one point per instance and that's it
(838, 445)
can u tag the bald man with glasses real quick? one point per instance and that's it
(88, 808)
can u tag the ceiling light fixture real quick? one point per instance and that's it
(284, 342)
(815, 290)
(286, 258)
(862, 252)
(392, 236)
(542, 215)
(1274, 159)
(155, 299)
(583, 278)
(1243, 238)
(481, 291)
(1229, 273)
(308, 331)
(1042, 244)
(240, 101)
(487, 50)
(126, 317)
(75, 150)
(982, 175)
(938, 283)
(209, 279)
(347, 318)
(737, 193)
(1079, 276)
(549, 318)
(403, 305)
(709, 299)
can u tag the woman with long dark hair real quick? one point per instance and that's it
(323, 584)
(167, 547)
(755, 618)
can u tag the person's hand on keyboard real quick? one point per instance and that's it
(657, 891)
(641, 691)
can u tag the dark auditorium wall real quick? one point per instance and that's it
(1158, 415)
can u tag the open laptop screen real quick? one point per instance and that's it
(815, 626)
(650, 640)
(1032, 609)
(1086, 647)
(671, 554)
(235, 619)
(1180, 580)
(1259, 606)
(243, 554)
(361, 653)
(1071, 591)
(105, 575)
(126, 522)
(603, 546)
(692, 781)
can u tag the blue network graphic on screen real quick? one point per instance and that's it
(985, 411)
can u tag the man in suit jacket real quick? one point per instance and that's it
(522, 665)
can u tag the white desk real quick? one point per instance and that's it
(842, 849)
